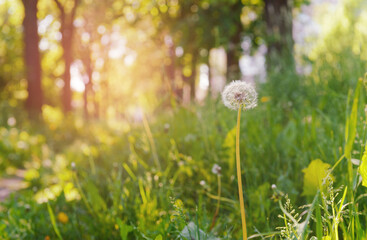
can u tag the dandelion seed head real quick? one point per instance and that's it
(12, 121)
(239, 94)
(216, 169)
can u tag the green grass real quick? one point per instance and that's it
(116, 190)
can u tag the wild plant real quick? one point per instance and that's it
(238, 95)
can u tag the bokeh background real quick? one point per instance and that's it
(111, 112)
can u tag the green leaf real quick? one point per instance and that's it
(95, 199)
(159, 237)
(53, 221)
(318, 220)
(351, 127)
(363, 167)
(124, 229)
(230, 148)
(304, 225)
(314, 176)
(192, 231)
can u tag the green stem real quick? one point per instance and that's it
(84, 198)
(151, 141)
(218, 204)
(240, 192)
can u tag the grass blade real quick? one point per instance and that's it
(53, 221)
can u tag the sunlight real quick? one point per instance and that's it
(204, 77)
(44, 24)
(76, 82)
(129, 59)
(116, 51)
(118, 45)
(118, 119)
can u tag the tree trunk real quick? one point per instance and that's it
(233, 61)
(85, 99)
(87, 61)
(96, 104)
(32, 58)
(192, 79)
(67, 48)
(210, 86)
(234, 45)
(67, 32)
(170, 67)
(278, 18)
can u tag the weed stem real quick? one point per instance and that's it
(218, 204)
(240, 192)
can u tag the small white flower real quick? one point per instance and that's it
(190, 137)
(47, 163)
(22, 145)
(239, 94)
(216, 169)
(202, 183)
(12, 121)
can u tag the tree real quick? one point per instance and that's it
(97, 18)
(278, 19)
(67, 32)
(32, 58)
(234, 32)
(85, 55)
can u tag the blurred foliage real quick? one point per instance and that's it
(99, 179)
(105, 179)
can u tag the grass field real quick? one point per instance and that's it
(162, 168)
(153, 178)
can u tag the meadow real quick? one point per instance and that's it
(164, 165)
(107, 181)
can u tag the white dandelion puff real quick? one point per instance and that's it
(216, 169)
(239, 94)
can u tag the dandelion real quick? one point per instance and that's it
(62, 217)
(238, 95)
(166, 127)
(265, 99)
(216, 169)
(11, 121)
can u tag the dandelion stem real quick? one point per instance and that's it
(240, 192)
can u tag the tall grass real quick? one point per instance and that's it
(121, 196)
